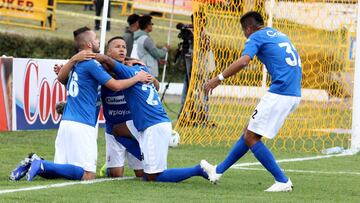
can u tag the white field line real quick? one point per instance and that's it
(57, 185)
(305, 171)
(293, 160)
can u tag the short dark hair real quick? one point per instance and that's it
(114, 38)
(80, 30)
(133, 18)
(251, 18)
(144, 21)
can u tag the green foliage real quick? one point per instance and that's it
(28, 47)
(57, 48)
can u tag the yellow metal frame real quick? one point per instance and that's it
(9, 21)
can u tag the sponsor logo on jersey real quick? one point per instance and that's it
(115, 100)
(119, 112)
(271, 33)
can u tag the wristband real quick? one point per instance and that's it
(221, 77)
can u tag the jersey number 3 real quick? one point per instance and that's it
(73, 86)
(289, 48)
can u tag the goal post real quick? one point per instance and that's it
(355, 138)
(324, 34)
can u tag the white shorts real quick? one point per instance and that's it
(271, 113)
(154, 143)
(116, 154)
(76, 144)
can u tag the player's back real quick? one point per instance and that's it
(275, 50)
(115, 108)
(142, 99)
(82, 87)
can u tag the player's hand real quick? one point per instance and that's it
(143, 77)
(134, 62)
(60, 107)
(57, 68)
(162, 61)
(167, 46)
(83, 55)
(211, 84)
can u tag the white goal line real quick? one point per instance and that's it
(57, 185)
(304, 171)
(293, 160)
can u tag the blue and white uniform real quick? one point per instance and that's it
(149, 118)
(80, 117)
(116, 111)
(278, 54)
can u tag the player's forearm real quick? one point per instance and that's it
(65, 70)
(118, 85)
(103, 59)
(236, 66)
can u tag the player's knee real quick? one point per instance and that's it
(139, 173)
(150, 177)
(251, 138)
(116, 172)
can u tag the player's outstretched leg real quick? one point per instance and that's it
(267, 159)
(239, 149)
(131, 145)
(180, 174)
(49, 169)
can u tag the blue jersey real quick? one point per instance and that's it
(114, 107)
(82, 87)
(142, 99)
(275, 50)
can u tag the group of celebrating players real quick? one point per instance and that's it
(137, 126)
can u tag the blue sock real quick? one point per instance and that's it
(131, 145)
(68, 171)
(239, 149)
(175, 175)
(267, 159)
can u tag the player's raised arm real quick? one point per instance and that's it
(105, 60)
(234, 68)
(117, 85)
(65, 70)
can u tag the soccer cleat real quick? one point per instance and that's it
(22, 168)
(35, 168)
(103, 171)
(211, 171)
(281, 187)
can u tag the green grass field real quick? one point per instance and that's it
(335, 179)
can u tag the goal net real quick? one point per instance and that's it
(323, 32)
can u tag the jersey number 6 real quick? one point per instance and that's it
(73, 86)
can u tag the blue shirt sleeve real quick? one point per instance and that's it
(252, 46)
(98, 72)
(122, 71)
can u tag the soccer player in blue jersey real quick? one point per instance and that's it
(151, 125)
(275, 50)
(117, 113)
(76, 141)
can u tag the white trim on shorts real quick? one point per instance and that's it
(116, 154)
(270, 114)
(76, 144)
